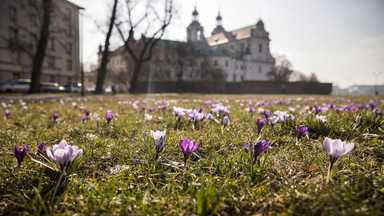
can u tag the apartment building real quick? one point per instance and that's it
(20, 24)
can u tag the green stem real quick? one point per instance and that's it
(329, 172)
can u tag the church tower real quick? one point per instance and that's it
(195, 32)
(219, 25)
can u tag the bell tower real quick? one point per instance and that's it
(195, 32)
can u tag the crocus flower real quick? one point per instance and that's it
(151, 109)
(83, 117)
(273, 120)
(64, 154)
(210, 117)
(318, 109)
(336, 148)
(301, 131)
(260, 124)
(187, 147)
(147, 117)
(226, 121)
(377, 112)
(267, 113)
(55, 116)
(158, 137)
(358, 119)
(87, 112)
(321, 119)
(257, 149)
(42, 146)
(20, 152)
(7, 112)
(109, 116)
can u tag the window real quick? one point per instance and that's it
(16, 75)
(51, 44)
(234, 77)
(12, 13)
(260, 47)
(50, 26)
(13, 36)
(51, 78)
(69, 48)
(31, 2)
(51, 62)
(68, 14)
(33, 40)
(259, 68)
(32, 19)
(68, 30)
(15, 57)
(241, 47)
(69, 65)
(215, 63)
(226, 63)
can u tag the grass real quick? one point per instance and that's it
(119, 175)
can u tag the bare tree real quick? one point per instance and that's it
(40, 51)
(102, 71)
(141, 50)
(282, 70)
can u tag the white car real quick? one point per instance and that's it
(18, 86)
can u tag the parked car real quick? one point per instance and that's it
(52, 87)
(18, 85)
(73, 87)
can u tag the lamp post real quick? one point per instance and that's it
(376, 75)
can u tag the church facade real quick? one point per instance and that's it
(230, 56)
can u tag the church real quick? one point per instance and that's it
(227, 56)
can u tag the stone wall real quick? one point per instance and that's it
(245, 87)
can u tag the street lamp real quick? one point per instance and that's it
(376, 75)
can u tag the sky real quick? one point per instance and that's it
(340, 41)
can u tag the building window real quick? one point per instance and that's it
(15, 57)
(51, 44)
(51, 78)
(215, 63)
(260, 47)
(69, 48)
(234, 77)
(68, 30)
(33, 40)
(31, 2)
(12, 13)
(259, 68)
(226, 63)
(16, 75)
(51, 62)
(69, 65)
(13, 36)
(236, 66)
(68, 14)
(50, 27)
(32, 19)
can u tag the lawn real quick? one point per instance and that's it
(121, 169)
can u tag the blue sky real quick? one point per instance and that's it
(341, 41)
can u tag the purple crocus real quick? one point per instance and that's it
(257, 149)
(260, 124)
(109, 116)
(7, 112)
(226, 121)
(83, 117)
(377, 112)
(267, 113)
(151, 109)
(187, 147)
(20, 152)
(55, 116)
(301, 131)
(87, 112)
(336, 148)
(64, 154)
(318, 109)
(42, 146)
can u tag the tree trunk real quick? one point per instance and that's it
(135, 78)
(40, 52)
(102, 71)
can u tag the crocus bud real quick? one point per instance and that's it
(20, 152)
(226, 121)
